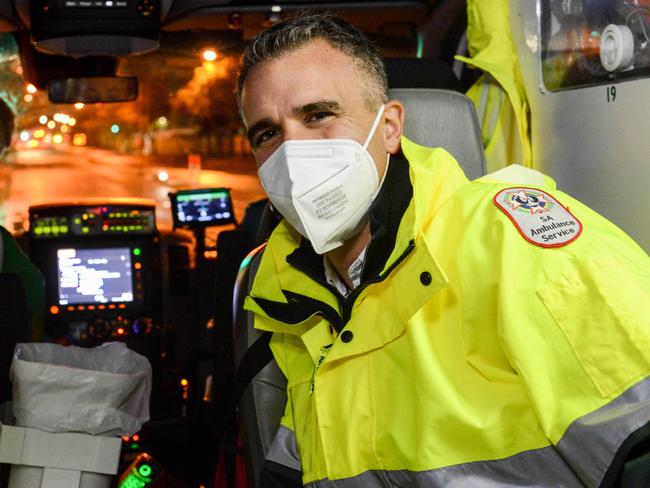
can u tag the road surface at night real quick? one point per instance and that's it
(74, 173)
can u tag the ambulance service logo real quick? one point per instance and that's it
(527, 201)
(539, 217)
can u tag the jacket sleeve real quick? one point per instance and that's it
(575, 324)
(281, 467)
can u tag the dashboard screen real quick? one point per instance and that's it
(101, 275)
(203, 207)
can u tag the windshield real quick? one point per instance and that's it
(183, 130)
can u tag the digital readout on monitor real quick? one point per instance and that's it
(94, 275)
(209, 206)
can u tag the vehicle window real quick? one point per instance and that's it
(183, 130)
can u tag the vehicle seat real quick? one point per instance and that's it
(434, 118)
(444, 118)
(13, 326)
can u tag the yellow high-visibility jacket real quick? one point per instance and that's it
(493, 348)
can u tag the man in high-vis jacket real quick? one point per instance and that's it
(433, 331)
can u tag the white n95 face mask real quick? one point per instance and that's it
(323, 187)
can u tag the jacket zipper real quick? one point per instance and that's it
(321, 358)
(348, 304)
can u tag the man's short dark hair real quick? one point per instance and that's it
(306, 27)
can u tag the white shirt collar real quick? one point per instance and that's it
(354, 273)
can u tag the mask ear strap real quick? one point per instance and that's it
(374, 127)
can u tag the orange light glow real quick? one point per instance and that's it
(137, 265)
(79, 139)
(121, 305)
(31, 88)
(136, 438)
(120, 331)
(54, 309)
(184, 382)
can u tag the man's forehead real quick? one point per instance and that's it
(298, 79)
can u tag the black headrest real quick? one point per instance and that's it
(420, 73)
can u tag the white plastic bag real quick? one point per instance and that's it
(101, 391)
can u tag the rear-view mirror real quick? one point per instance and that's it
(94, 89)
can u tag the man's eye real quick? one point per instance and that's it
(264, 137)
(318, 116)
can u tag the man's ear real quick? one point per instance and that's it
(393, 125)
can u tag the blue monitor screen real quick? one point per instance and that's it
(94, 275)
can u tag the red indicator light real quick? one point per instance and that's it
(69, 308)
(125, 438)
(101, 307)
(136, 438)
(111, 306)
(54, 309)
(121, 305)
(91, 307)
(81, 307)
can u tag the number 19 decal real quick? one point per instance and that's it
(611, 93)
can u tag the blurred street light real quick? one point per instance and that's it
(209, 54)
(31, 89)
(43, 119)
(51, 124)
(28, 97)
(78, 105)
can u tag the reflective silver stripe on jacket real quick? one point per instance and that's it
(591, 442)
(542, 468)
(283, 450)
(589, 445)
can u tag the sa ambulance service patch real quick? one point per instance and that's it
(539, 217)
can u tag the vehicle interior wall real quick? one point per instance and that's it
(591, 137)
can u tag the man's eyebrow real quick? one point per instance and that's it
(319, 106)
(257, 127)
